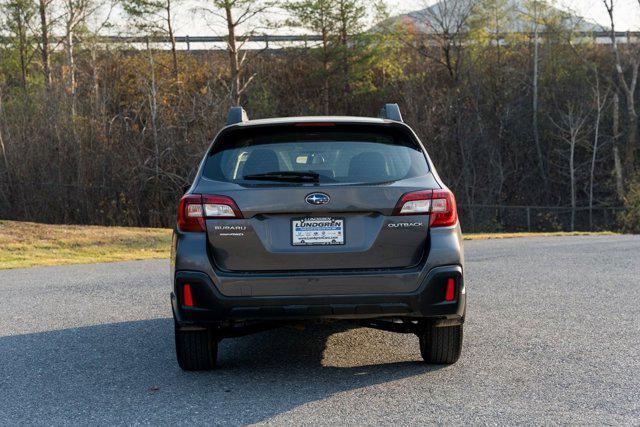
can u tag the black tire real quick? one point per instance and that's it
(441, 345)
(196, 350)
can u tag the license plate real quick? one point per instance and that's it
(317, 231)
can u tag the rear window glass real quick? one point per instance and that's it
(340, 154)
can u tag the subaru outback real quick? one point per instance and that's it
(317, 219)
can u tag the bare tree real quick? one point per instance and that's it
(2, 146)
(446, 24)
(571, 123)
(156, 16)
(600, 103)
(536, 63)
(628, 87)
(617, 162)
(75, 15)
(43, 6)
(152, 96)
(236, 14)
(92, 42)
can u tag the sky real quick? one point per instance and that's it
(627, 12)
(627, 15)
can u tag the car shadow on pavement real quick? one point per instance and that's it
(126, 373)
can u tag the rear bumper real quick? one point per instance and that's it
(212, 307)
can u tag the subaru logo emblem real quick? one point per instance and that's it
(317, 199)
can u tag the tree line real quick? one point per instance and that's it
(110, 134)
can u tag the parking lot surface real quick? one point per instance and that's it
(552, 336)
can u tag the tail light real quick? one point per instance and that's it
(195, 208)
(450, 291)
(187, 298)
(439, 204)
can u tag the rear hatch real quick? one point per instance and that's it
(315, 196)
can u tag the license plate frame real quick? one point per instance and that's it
(335, 230)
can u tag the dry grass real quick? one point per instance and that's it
(485, 236)
(27, 244)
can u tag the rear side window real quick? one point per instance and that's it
(339, 154)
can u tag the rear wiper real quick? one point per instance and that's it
(291, 176)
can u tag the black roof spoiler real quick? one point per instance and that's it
(237, 115)
(390, 112)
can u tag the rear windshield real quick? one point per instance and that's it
(339, 154)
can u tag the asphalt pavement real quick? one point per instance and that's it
(552, 336)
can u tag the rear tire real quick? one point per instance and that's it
(441, 345)
(196, 350)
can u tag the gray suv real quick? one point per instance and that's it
(318, 219)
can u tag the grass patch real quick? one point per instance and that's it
(28, 244)
(485, 236)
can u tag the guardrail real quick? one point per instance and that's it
(600, 37)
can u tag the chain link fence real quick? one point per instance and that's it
(487, 218)
(113, 205)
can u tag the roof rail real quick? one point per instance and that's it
(237, 115)
(390, 112)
